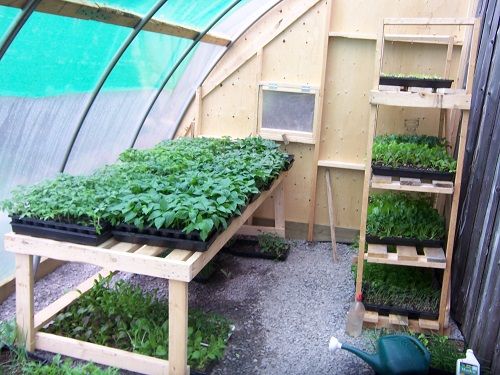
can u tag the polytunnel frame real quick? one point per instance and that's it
(180, 60)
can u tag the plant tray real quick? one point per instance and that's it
(55, 230)
(174, 238)
(403, 241)
(205, 278)
(250, 249)
(424, 174)
(411, 314)
(434, 83)
(289, 162)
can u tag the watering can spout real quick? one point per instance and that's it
(372, 359)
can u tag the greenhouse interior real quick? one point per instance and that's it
(249, 187)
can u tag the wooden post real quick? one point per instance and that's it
(24, 301)
(199, 112)
(317, 134)
(331, 214)
(279, 208)
(177, 327)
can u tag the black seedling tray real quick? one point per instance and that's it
(425, 174)
(250, 249)
(411, 314)
(55, 230)
(289, 162)
(404, 241)
(174, 238)
(434, 83)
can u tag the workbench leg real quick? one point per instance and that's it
(177, 327)
(24, 301)
(279, 209)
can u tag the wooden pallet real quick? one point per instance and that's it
(372, 319)
(407, 256)
(440, 99)
(411, 184)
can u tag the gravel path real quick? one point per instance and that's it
(284, 312)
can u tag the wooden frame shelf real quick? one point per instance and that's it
(390, 183)
(407, 256)
(373, 319)
(443, 99)
(179, 267)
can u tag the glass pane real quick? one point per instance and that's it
(7, 16)
(287, 110)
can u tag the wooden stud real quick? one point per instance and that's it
(199, 112)
(25, 301)
(407, 252)
(331, 214)
(178, 327)
(101, 354)
(341, 165)
(398, 320)
(428, 324)
(88, 10)
(445, 184)
(317, 136)
(434, 254)
(370, 317)
(377, 251)
(381, 179)
(279, 209)
(410, 181)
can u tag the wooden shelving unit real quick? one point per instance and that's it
(442, 99)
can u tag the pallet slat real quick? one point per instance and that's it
(407, 253)
(435, 254)
(392, 258)
(391, 183)
(372, 319)
(377, 251)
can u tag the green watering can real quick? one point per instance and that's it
(397, 354)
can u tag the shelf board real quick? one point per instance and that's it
(440, 99)
(341, 165)
(407, 256)
(373, 319)
(392, 183)
(409, 38)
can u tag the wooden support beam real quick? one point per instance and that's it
(331, 216)
(279, 209)
(430, 21)
(101, 354)
(177, 327)
(89, 10)
(341, 165)
(25, 301)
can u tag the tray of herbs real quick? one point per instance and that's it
(122, 316)
(266, 246)
(67, 208)
(414, 156)
(414, 80)
(403, 219)
(408, 291)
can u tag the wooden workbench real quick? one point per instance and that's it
(179, 268)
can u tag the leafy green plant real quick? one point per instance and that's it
(189, 184)
(411, 288)
(424, 152)
(66, 367)
(124, 317)
(412, 75)
(403, 215)
(270, 243)
(444, 352)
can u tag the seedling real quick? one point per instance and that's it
(272, 244)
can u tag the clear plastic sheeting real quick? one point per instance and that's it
(52, 67)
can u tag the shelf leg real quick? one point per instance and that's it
(177, 327)
(24, 301)
(279, 208)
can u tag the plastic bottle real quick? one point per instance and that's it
(468, 365)
(355, 317)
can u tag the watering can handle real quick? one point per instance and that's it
(421, 347)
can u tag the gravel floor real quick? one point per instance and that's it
(284, 312)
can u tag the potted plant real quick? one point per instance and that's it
(266, 245)
(414, 156)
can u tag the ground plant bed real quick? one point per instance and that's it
(251, 247)
(122, 316)
(414, 81)
(411, 172)
(403, 241)
(81, 234)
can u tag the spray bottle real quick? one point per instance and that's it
(468, 365)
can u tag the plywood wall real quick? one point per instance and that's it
(285, 46)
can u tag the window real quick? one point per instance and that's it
(288, 112)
